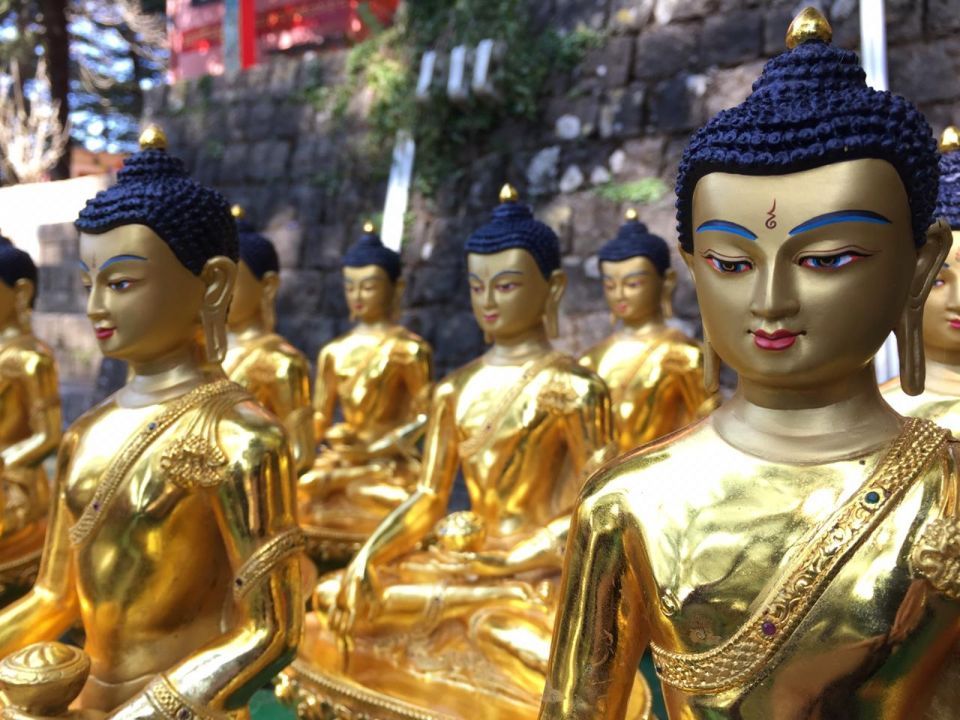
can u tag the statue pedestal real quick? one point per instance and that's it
(378, 689)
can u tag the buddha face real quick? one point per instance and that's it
(801, 277)
(632, 288)
(143, 303)
(509, 294)
(247, 296)
(369, 293)
(941, 313)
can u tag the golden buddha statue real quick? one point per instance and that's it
(379, 374)
(940, 399)
(29, 424)
(450, 617)
(794, 555)
(270, 368)
(654, 372)
(173, 535)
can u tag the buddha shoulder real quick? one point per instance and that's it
(680, 351)
(27, 356)
(653, 475)
(286, 355)
(408, 347)
(569, 373)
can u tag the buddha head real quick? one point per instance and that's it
(371, 279)
(158, 256)
(18, 287)
(638, 281)
(805, 216)
(941, 313)
(258, 278)
(513, 263)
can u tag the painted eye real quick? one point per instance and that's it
(476, 289)
(939, 282)
(507, 287)
(830, 262)
(729, 266)
(119, 285)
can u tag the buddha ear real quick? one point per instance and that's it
(556, 287)
(909, 329)
(219, 275)
(930, 259)
(399, 287)
(666, 292)
(270, 285)
(23, 294)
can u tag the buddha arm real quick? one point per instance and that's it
(402, 529)
(52, 605)
(293, 402)
(254, 510)
(600, 633)
(588, 433)
(696, 400)
(324, 395)
(417, 374)
(42, 398)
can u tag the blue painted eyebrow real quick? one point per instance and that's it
(840, 216)
(120, 258)
(83, 266)
(727, 227)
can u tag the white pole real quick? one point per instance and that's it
(398, 190)
(873, 55)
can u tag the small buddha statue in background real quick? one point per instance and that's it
(379, 376)
(260, 360)
(792, 556)
(453, 614)
(29, 423)
(654, 372)
(173, 539)
(940, 399)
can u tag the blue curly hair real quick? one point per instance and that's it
(811, 107)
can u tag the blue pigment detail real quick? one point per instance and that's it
(728, 227)
(118, 258)
(841, 216)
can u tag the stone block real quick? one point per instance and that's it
(59, 244)
(236, 161)
(570, 14)
(904, 21)
(679, 104)
(641, 159)
(665, 51)
(286, 232)
(301, 293)
(581, 102)
(775, 23)
(268, 160)
(943, 17)
(626, 15)
(732, 37)
(670, 10)
(236, 120)
(610, 64)
(432, 284)
(458, 340)
(284, 76)
(303, 158)
(324, 246)
(926, 72)
(543, 170)
(59, 289)
(622, 114)
(726, 88)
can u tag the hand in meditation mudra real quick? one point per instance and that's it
(794, 555)
(173, 537)
(654, 372)
(450, 617)
(379, 374)
(29, 424)
(258, 359)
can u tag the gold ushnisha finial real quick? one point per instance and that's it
(153, 138)
(238, 212)
(508, 194)
(950, 140)
(808, 26)
(368, 227)
(631, 215)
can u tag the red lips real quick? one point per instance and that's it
(778, 340)
(491, 318)
(955, 323)
(104, 333)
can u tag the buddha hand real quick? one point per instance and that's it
(358, 596)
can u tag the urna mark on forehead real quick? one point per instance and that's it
(838, 199)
